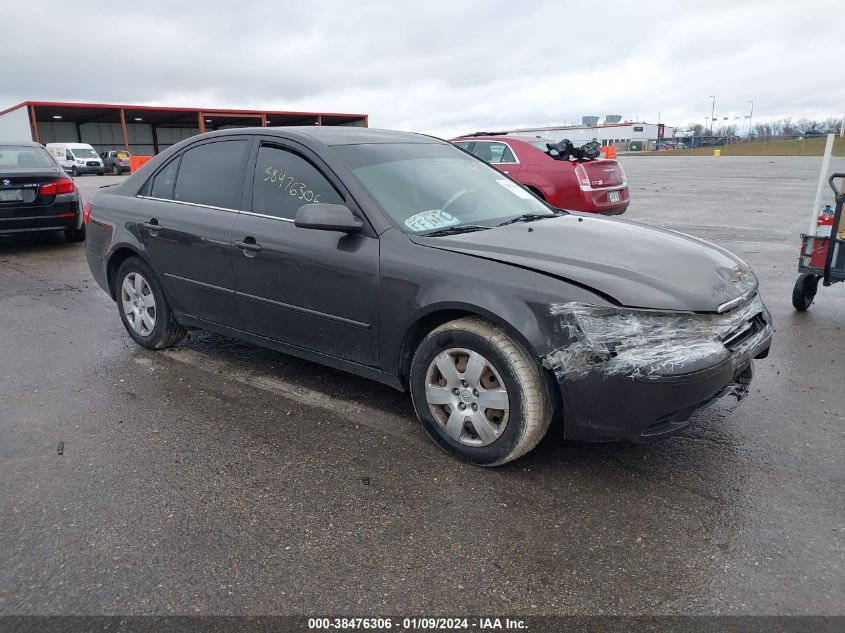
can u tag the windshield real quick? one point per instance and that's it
(22, 156)
(427, 187)
(81, 152)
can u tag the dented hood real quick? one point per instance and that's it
(637, 265)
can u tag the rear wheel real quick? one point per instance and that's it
(480, 396)
(115, 170)
(804, 291)
(75, 235)
(144, 310)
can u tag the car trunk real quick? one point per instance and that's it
(20, 188)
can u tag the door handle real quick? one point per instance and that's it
(152, 226)
(248, 246)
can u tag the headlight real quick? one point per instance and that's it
(641, 342)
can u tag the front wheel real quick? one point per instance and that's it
(144, 310)
(479, 394)
(804, 291)
(74, 171)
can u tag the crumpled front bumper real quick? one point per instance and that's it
(642, 406)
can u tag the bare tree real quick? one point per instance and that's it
(832, 123)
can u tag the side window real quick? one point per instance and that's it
(68, 155)
(494, 152)
(212, 174)
(284, 181)
(162, 186)
(502, 153)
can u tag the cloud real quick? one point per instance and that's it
(442, 67)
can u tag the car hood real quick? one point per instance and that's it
(634, 264)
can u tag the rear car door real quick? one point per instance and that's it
(188, 209)
(313, 289)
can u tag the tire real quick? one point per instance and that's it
(101, 173)
(115, 170)
(484, 436)
(74, 172)
(165, 332)
(804, 291)
(75, 235)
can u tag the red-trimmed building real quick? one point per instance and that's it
(143, 130)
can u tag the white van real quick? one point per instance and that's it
(76, 158)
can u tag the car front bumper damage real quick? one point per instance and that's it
(640, 375)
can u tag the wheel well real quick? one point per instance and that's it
(116, 259)
(425, 324)
(418, 331)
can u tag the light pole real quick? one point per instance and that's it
(750, 116)
(712, 109)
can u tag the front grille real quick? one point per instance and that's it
(93, 163)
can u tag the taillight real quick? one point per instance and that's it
(54, 188)
(86, 213)
(583, 178)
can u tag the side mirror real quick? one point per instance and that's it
(327, 217)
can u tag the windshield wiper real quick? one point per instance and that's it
(455, 230)
(527, 217)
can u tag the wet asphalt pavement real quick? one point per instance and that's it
(221, 478)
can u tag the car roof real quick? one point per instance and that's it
(505, 137)
(332, 135)
(21, 143)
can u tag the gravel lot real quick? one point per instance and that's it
(219, 478)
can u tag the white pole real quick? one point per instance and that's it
(828, 150)
(842, 127)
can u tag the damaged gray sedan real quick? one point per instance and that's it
(404, 259)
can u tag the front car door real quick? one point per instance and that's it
(189, 207)
(313, 289)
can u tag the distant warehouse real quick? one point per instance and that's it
(637, 135)
(142, 130)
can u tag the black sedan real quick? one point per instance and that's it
(404, 259)
(36, 194)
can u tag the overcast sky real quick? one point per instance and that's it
(442, 67)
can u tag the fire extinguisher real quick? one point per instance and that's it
(824, 229)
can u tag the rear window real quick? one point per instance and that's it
(162, 186)
(212, 174)
(123, 154)
(543, 146)
(23, 157)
